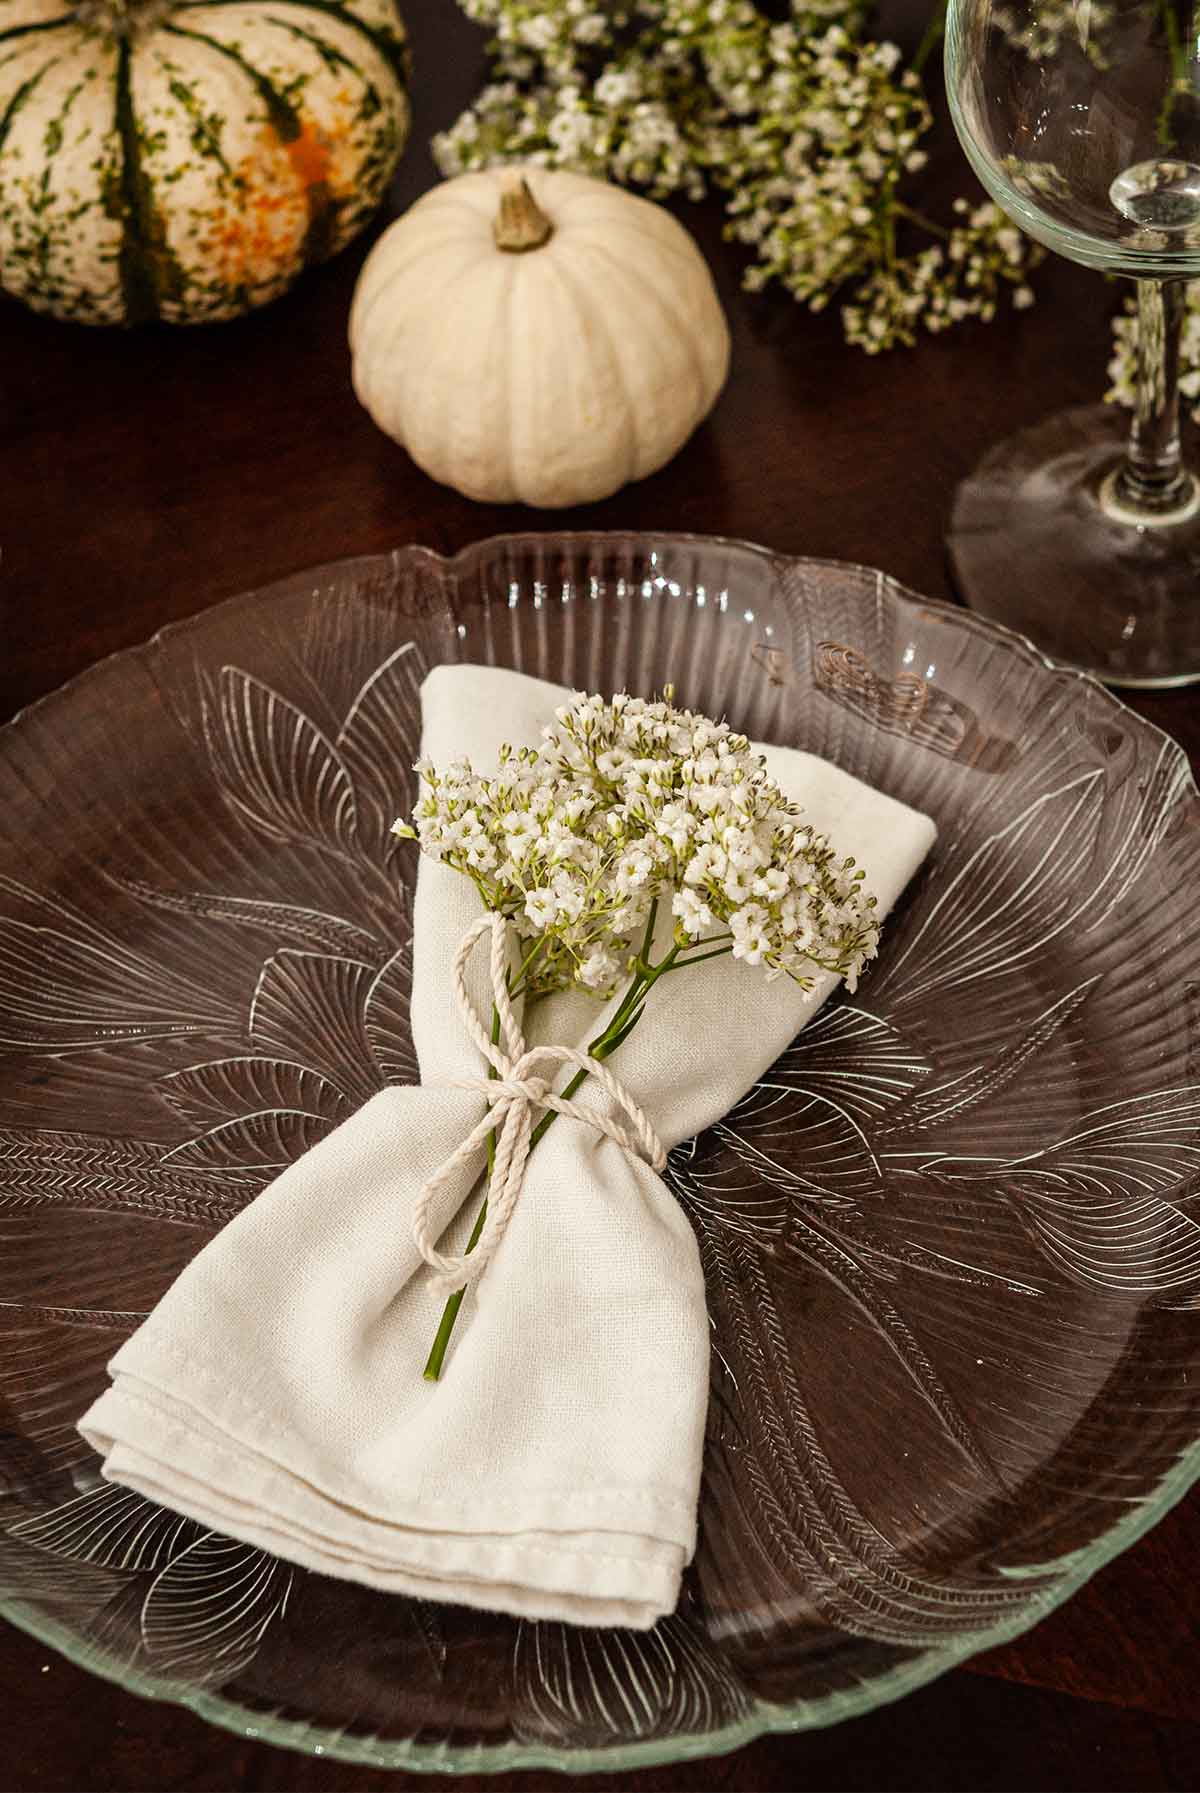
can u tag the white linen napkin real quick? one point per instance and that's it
(276, 1392)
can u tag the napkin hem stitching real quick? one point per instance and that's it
(232, 1400)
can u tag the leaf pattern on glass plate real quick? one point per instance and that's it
(260, 1112)
(209, 1606)
(386, 1020)
(111, 1526)
(1081, 850)
(1107, 1205)
(279, 922)
(386, 701)
(814, 1541)
(335, 787)
(319, 999)
(275, 768)
(69, 984)
(177, 1600)
(588, 1688)
(58, 1205)
(206, 1094)
(62, 1589)
(85, 1170)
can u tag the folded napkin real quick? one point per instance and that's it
(276, 1392)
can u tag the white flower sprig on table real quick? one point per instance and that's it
(630, 810)
(814, 131)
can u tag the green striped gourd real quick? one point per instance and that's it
(186, 159)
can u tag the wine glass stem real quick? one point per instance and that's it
(1153, 480)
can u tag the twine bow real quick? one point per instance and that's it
(511, 1096)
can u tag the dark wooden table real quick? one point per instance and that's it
(146, 476)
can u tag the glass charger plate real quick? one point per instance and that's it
(950, 1240)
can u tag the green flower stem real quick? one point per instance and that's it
(920, 220)
(516, 988)
(887, 228)
(433, 1363)
(1179, 72)
(934, 32)
(699, 958)
(437, 1354)
(648, 936)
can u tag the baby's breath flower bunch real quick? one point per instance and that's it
(629, 809)
(811, 129)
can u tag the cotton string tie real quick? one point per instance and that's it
(512, 1094)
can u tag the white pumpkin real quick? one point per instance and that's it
(537, 336)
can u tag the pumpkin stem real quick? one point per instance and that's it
(521, 223)
(122, 18)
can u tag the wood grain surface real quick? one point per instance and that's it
(148, 475)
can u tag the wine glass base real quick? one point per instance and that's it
(1031, 546)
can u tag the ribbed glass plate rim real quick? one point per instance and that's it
(766, 1718)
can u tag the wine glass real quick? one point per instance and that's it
(1082, 119)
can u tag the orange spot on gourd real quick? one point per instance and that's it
(262, 232)
(309, 155)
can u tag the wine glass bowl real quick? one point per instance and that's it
(1082, 120)
(1091, 145)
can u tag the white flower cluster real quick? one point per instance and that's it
(946, 283)
(1123, 367)
(811, 169)
(812, 130)
(562, 99)
(629, 806)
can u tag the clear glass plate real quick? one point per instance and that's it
(951, 1240)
